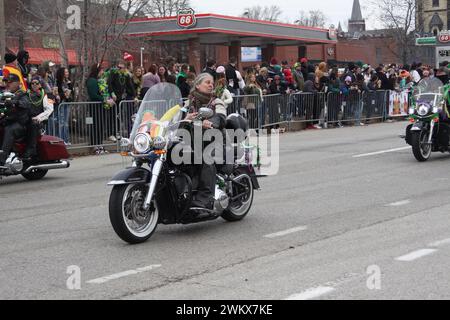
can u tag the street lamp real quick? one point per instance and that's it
(142, 57)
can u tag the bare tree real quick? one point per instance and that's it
(165, 8)
(271, 13)
(315, 18)
(44, 17)
(101, 36)
(398, 17)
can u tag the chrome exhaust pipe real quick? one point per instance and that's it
(49, 166)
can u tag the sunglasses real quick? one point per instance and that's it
(35, 83)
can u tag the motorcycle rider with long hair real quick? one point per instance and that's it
(204, 175)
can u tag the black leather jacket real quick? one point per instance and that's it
(18, 109)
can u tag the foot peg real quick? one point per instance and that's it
(202, 214)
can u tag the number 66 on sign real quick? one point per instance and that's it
(186, 18)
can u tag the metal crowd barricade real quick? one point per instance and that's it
(84, 124)
(335, 107)
(306, 107)
(344, 107)
(89, 124)
(250, 107)
(275, 110)
(374, 104)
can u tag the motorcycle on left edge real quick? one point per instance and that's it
(52, 153)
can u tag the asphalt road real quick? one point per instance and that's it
(343, 219)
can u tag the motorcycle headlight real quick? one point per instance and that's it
(142, 143)
(423, 110)
(160, 143)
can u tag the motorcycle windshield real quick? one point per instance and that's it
(160, 111)
(428, 89)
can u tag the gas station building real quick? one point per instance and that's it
(227, 35)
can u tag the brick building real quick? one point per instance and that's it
(358, 44)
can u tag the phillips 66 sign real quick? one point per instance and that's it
(186, 18)
(444, 36)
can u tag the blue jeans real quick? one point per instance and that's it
(63, 122)
(52, 125)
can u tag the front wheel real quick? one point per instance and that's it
(421, 148)
(129, 220)
(239, 208)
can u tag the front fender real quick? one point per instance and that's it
(418, 126)
(131, 176)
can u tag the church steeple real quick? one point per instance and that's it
(356, 22)
(356, 12)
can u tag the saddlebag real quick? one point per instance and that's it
(52, 149)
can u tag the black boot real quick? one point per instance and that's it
(3, 157)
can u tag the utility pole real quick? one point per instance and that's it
(2, 31)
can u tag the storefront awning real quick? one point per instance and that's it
(40, 55)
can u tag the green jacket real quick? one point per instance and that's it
(94, 90)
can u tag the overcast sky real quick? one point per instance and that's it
(335, 10)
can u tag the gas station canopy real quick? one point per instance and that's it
(216, 29)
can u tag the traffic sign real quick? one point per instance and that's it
(428, 41)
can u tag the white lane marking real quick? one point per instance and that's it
(399, 203)
(311, 293)
(439, 243)
(416, 255)
(380, 152)
(285, 232)
(123, 274)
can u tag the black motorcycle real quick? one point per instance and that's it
(429, 130)
(144, 197)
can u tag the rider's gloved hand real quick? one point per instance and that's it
(9, 104)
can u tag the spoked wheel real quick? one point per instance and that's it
(130, 221)
(239, 208)
(420, 146)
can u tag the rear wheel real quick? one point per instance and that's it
(36, 174)
(130, 221)
(239, 208)
(421, 148)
